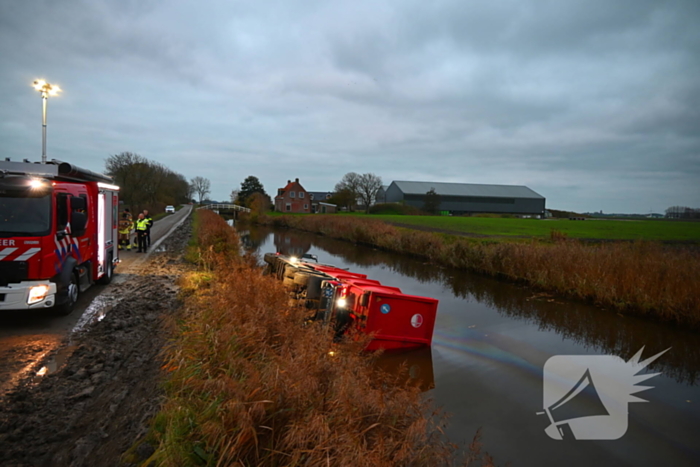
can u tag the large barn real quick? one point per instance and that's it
(466, 198)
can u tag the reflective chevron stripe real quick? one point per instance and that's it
(28, 254)
(6, 252)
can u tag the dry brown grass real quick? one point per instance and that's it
(250, 385)
(644, 278)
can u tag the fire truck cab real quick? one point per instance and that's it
(58, 234)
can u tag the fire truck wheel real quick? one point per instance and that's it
(313, 287)
(270, 258)
(107, 278)
(73, 294)
(302, 278)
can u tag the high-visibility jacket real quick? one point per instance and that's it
(125, 226)
(142, 224)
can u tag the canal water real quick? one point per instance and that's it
(491, 343)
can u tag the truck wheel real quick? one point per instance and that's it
(107, 278)
(313, 287)
(302, 278)
(270, 258)
(73, 294)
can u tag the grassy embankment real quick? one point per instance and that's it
(644, 278)
(599, 229)
(249, 385)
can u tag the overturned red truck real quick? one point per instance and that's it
(58, 232)
(351, 301)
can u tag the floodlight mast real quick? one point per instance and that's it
(46, 90)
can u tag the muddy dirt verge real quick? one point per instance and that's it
(99, 403)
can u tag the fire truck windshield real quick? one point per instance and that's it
(24, 213)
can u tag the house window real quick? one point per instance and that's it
(291, 194)
(311, 196)
(289, 206)
(328, 196)
(306, 206)
(301, 194)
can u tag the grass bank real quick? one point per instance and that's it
(596, 229)
(249, 385)
(644, 278)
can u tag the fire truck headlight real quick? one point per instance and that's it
(341, 302)
(37, 293)
(35, 183)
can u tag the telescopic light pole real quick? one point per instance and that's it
(46, 90)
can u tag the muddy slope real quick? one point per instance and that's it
(89, 412)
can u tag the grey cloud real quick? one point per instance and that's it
(588, 102)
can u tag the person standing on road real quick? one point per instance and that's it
(141, 228)
(148, 230)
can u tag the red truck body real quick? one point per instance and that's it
(58, 234)
(353, 302)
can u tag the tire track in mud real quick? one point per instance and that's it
(90, 411)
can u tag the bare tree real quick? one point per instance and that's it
(201, 186)
(145, 183)
(349, 184)
(367, 188)
(234, 195)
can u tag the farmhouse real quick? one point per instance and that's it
(466, 198)
(292, 198)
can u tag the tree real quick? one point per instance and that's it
(259, 203)
(344, 198)
(144, 183)
(432, 201)
(234, 195)
(350, 183)
(249, 186)
(682, 212)
(201, 186)
(368, 186)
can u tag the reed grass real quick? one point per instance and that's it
(644, 278)
(250, 385)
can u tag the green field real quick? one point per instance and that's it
(591, 228)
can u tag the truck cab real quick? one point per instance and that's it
(57, 234)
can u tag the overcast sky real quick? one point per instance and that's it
(593, 104)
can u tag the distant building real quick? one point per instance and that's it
(326, 208)
(468, 198)
(381, 194)
(317, 197)
(292, 198)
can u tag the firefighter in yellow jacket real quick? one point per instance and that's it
(126, 225)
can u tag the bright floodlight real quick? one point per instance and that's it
(46, 90)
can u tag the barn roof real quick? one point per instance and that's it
(467, 189)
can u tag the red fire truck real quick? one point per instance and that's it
(351, 301)
(58, 234)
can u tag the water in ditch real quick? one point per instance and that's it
(491, 343)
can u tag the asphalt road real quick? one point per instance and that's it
(28, 337)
